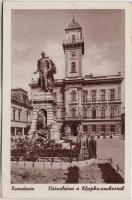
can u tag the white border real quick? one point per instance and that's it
(41, 190)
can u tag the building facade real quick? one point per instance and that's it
(86, 104)
(20, 113)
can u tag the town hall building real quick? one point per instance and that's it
(86, 104)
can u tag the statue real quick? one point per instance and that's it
(43, 131)
(46, 69)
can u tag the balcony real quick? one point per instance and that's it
(84, 118)
(102, 101)
(72, 44)
(76, 41)
(101, 118)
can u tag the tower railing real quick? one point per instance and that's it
(81, 40)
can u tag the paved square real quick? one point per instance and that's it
(112, 148)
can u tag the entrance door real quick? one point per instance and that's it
(74, 129)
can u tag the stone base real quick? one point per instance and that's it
(45, 101)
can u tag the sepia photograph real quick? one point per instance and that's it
(67, 96)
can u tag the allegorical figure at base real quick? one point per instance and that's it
(42, 132)
(46, 69)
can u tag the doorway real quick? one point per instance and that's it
(74, 129)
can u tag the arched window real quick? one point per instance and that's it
(112, 94)
(73, 96)
(102, 112)
(112, 112)
(73, 112)
(94, 113)
(93, 95)
(84, 96)
(102, 94)
(73, 67)
(73, 38)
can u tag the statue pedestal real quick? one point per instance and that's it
(44, 100)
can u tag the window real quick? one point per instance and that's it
(73, 96)
(85, 128)
(103, 128)
(73, 54)
(93, 128)
(73, 112)
(112, 128)
(27, 116)
(19, 114)
(102, 112)
(93, 113)
(93, 95)
(111, 112)
(112, 94)
(119, 92)
(118, 111)
(18, 131)
(102, 95)
(55, 112)
(85, 112)
(55, 95)
(62, 112)
(84, 96)
(73, 67)
(73, 38)
(14, 114)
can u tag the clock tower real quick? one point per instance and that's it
(73, 46)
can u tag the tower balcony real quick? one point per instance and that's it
(73, 44)
(75, 41)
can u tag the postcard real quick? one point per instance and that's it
(66, 100)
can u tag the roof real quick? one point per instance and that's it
(91, 80)
(18, 89)
(20, 96)
(73, 25)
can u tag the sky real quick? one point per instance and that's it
(35, 30)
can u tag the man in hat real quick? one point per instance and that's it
(44, 67)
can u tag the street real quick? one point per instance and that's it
(112, 148)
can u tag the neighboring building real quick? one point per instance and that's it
(123, 122)
(89, 104)
(20, 113)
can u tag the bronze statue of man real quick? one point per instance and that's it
(46, 69)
